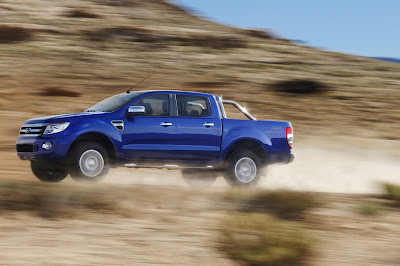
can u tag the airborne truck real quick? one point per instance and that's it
(162, 129)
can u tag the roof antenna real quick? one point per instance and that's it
(129, 91)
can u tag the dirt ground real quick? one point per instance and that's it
(169, 227)
(173, 224)
(348, 238)
(178, 226)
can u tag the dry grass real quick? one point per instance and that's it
(133, 34)
(261, 239)
(15, 33)
(258, 34)
(118, 3)
(392, 192)
(258, 232)
(300, 86)
(78, 13)
(56, 91)
(206, 84)
(291, 205)
(143, 35)
(369, 208)
(59, 200)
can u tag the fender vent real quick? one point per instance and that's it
(118, 124)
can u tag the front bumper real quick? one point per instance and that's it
(30, 148)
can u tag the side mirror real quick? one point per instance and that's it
(136, 110)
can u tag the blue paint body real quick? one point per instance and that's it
(143, 139)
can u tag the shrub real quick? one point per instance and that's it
(300, 86)
(261, 239)
(15, 33)
(123, 3)
(134, 34)
(284, 204)
(143, 35)
(57, 201)
(207, 84)
(77, 13)
(368, 208)
(210, 41)
(257, 34)
(392, 192)
(55, 91)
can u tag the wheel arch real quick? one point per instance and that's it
(248, 144)
(101, 139)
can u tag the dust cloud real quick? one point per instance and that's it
(320, 167)
(338, 168)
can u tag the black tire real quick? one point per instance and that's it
(48, 171)
(243, 169)
(199, 178)
(88, 162)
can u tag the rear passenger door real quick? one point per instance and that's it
(198, 128)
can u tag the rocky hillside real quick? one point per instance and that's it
(59, 57)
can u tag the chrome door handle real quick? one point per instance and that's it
(208, 124)
(166, 124)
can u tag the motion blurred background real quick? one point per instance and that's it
(61, 57)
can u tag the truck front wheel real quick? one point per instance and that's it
(48, 171)
(243, 169)
(89, 161)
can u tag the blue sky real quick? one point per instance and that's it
(360, 27)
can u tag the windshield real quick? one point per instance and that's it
(114, 102)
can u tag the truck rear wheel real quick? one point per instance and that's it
(243, 169)
(199, 177)
(89, 161)
(48, 171)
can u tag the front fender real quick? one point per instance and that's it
(104, 128)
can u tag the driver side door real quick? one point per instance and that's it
(150, 136)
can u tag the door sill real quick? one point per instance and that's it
(168, 166)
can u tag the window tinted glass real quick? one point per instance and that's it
(156, 105)
(113, 103)
(193, 106)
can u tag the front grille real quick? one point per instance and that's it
(32, 130)
(25, 148)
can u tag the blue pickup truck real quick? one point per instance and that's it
(181, 130)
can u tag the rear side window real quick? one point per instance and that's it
(156, 105)
(193, 106)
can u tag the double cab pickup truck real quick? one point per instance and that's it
(181, 130)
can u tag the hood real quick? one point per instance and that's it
(63, 118)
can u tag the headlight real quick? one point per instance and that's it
(55, 128)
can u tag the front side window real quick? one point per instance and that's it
(155, 104)
(193, 106)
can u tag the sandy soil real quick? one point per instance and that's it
(347, 238)
(169, 230)
(178, 226)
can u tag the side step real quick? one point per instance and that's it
(168, 166)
